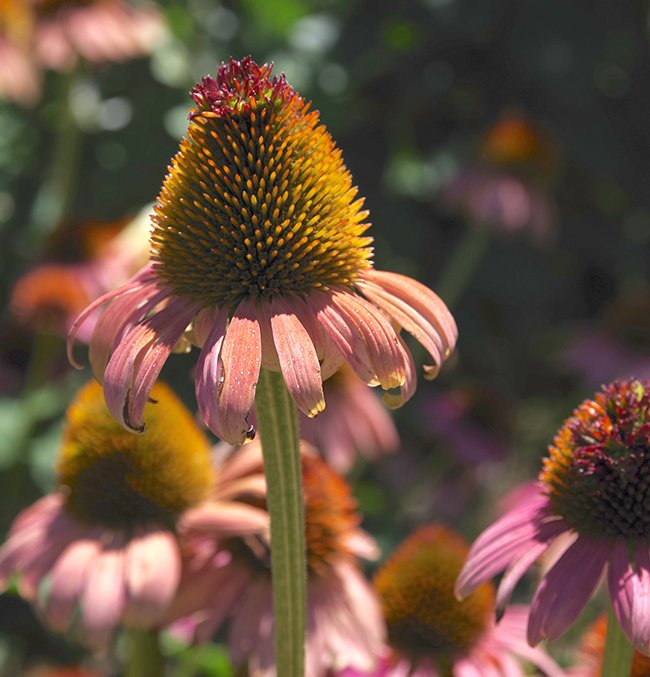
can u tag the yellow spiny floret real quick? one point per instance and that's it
(416, 588)
(257, 201)
(116, 478)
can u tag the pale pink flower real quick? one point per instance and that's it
(227, 576)
(593, 488)
(101, 551)
(354, 422)
(431, 633)
(258, 243)
(97, 30)
(508, 189)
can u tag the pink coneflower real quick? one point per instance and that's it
(258, 240)
(431, 633)
(594, 487)
(354, 422)
(101, 550)
(507, 188)
(232, 578)
(19, 76)
(95, 30)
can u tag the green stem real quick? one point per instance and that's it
(463, 262)
(143, 654)
(278, 429)
(617, 661)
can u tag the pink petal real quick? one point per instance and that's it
(137, 361)
(296, 355)
(152, 573)
(566, 588)
(416, 308)
(104, 596)
(252, 624)
(67, 581)
(140, 283)
(629, 589)
(240, 359)
(208, 367)
(504, 541)
(407, 390)
(225, 519)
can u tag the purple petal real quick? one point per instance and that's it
(566, 588)
(629, 588)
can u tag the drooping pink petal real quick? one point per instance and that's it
(504, 541)
(117, 319)
(208, 367)
(152, 572)
(519, 566)
(138, 359)
(67, 580)
(416, 308)
(566, 588)
(244, 461)
(239, 359)
(629, 589)
(329, 355)
(510, 634)
(252, 623)
(104, 595)
(296, 355)
(363, 336)
(392, 399)
(141, 283)
(223, 518)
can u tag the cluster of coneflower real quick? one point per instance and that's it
(261, 259)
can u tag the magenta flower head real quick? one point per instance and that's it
(227, 576)
(431, 633)
(102, 550)
(594, 487)
(259, 244)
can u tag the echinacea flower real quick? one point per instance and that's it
(96, 30)
(354, 422)
(431, 633)
(19, 75)
(507, 187)
(593, 491)
(102, 549)
(228, 576)
(259, 241)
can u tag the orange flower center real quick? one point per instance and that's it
(118, 479)
(48, 6)
(257, 201)
(597, 473)
(416, 588)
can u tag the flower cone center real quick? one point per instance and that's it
(416, 588)
(257, 201)
(119, 479)
(598, 470)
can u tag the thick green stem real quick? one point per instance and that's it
(463, 262)
(617, 661)
(278, 429)
(143, 657)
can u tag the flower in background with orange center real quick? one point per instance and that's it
(19, 74)
(592, 499)
(228, 576)
(102, 550)
(49, 297)
(508, 187)
(96, 30)
(259, 240)
(431, 633)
